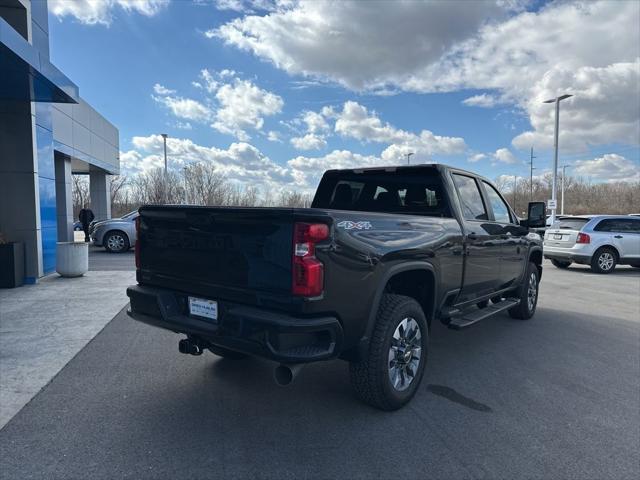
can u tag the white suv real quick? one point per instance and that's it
(602, 241)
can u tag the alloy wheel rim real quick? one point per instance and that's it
(532, 291)
(405, 354)
(605, 261)
(116, 242)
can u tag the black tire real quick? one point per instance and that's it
(560, 263)
(226, 353)
(371, 377)
(116, 242)
(528, 295)
(604, 260)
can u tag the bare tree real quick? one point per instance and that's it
(79, 193)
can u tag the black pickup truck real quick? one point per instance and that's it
(360, 275)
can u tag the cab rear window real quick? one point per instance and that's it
(411, 192)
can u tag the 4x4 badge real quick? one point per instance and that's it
(349, 225)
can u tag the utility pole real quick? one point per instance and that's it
(531, 169)
(408, 156)
(515, 189)
(557, 101)
(165, 192)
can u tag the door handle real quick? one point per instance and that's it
(472, 236)
(617, 236)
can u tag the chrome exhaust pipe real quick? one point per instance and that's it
(284, 374)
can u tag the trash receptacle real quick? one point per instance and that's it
(72, 258)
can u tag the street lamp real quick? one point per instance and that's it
(408, 156)
(557, 101)
(564, 167)
(164, 138)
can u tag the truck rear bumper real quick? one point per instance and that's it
(273, 335)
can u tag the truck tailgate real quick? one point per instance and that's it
(212, 250)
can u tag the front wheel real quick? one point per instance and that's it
(116, 242)
(528, 295)
(560, 263)
(388, 377)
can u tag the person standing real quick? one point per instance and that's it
(86, 216)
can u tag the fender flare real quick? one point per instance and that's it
(390, 272)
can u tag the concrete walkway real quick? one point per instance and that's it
(43, 326)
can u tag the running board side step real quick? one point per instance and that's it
(475, 316)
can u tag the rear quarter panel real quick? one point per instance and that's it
(365, 246)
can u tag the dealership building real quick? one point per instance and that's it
(47, 133)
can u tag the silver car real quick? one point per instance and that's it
(601, 241)
(116, 235)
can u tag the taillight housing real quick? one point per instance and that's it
(307, 270)
(136, 248)
(583, 238)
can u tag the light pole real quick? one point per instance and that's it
(515, 189)
(531, 169)
(557, 101)
(409, 156)
(564, 167)
(164, 138)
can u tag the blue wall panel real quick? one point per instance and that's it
(47, 189)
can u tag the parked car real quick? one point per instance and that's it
(77, 226)
(116, 235)
(381, 254)
(601, 241)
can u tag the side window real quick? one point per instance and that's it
(470, 199)
(632, 226)
(604, 226)
(500, 209)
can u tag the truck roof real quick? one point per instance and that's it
(393, 168)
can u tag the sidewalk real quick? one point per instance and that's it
(43, 326)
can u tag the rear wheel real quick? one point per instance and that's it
(604, 260)
(528, 295)
(391, 372)
(560, 263)
(116, 242)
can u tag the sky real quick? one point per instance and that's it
(275, 92)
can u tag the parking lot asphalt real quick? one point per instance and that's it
(101, 260)
(557, 396)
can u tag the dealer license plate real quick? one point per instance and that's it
(201, 307)
(557, 236)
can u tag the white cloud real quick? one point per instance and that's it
(355, 121)
(184, 126)
(609, 167)
(241, 162)
(591, 49)
(310, 141)
(94, 12)
(351, 43)
(504, 155)
(307, 171)
(604, 109)
(274, 136)
(483, 100)
(185, 108)
(243, 106)
(161, 90)
(477, 157)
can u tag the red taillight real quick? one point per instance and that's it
(583, 238)
(308, 271)
(136, 248)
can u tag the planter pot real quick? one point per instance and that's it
(72, 258)
(11, 265)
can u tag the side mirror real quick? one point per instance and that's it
(536, 215)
